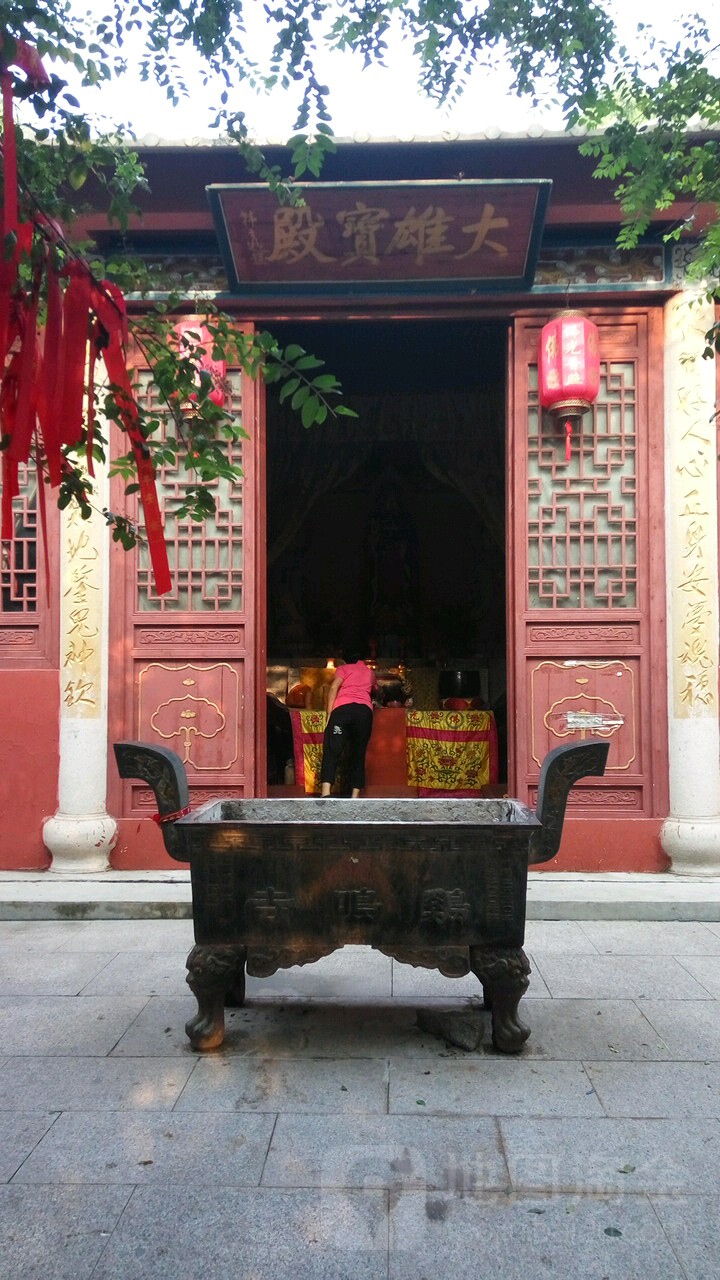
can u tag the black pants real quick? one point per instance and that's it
(349, 726)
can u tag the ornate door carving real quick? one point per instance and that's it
(586, 588)
(184, 666)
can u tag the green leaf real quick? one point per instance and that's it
(308, 362)
(288, 388)
(300, 397)
(77, 175)
(309, 411)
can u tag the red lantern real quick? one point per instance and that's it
(190, 336)
(569, 368)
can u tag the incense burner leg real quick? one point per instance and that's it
(216, 977)
(503, 972)
(235, 994)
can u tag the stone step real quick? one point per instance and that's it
(165, 895)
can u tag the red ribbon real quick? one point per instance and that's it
(26, 403)
(76, 323)
(110, 309)
(48, 386)
(49, 380)
(8, 267)
(160, 818)
(10, 195)
(28, 60)
(10, 490)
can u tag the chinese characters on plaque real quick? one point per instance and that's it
(468, 235)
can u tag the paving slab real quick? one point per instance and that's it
(652, 937)
(151, 1147)
(57, 1232)
(612, 978)
(667, 1090)
(129, 935)
(595, 1029)
(328, 1114)
(690, 1028)
(64, 975)
(598, 1156)
(159, 1029)
(690, 1224)
(466, 1237)
(358, 974)
(92, 1084)
(415, 983)
(36, 935)
(287, 1030)
(410, 983)
(49, 1025)
(266, 1234)
(485, 1086)
(396, 1152)
(558, 935)
(147, 973)
(20, 1132)
(316, 1085)
(706, 971)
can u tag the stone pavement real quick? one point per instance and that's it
(331, 1138)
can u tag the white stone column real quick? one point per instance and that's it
(81, 834)
(691, 834)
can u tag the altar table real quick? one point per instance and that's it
(431, 753)
(451, 753)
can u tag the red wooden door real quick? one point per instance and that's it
(187, 670)
(586, 594)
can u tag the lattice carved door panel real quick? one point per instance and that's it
(28, 632)
(587, 598)
(188, 659)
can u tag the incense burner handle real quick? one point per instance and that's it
(164, 772)
(561, 769)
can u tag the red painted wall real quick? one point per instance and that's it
(139, 847)
(609, 844)
(29, 762)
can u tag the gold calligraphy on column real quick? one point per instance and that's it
(694, 562)
(81, 617)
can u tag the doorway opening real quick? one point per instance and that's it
(386, 532)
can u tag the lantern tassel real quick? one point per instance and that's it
(568, 439)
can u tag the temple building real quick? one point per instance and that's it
(517, 583)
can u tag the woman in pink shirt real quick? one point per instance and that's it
(350, 718)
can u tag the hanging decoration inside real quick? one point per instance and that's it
(569, 369)
(47, 380)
